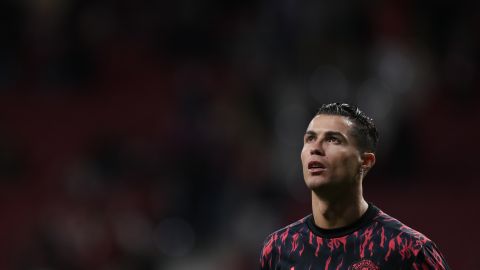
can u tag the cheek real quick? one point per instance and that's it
(346, 163)
(303, 153)
(352, 164)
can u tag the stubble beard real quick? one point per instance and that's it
(329, 188)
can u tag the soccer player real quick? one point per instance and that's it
(344, 231)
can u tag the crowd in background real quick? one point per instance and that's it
(167, 134)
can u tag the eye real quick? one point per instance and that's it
(333, 140)
(309, 138)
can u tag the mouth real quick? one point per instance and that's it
(316, 167)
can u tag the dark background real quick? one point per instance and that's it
(167, 134)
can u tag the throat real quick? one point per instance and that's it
(337, 214)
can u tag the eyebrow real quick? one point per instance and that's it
(328, 133)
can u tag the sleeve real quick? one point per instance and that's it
(430, 257)
(268, 253)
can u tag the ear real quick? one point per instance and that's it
(368, 160)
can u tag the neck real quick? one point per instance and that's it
(341, 211)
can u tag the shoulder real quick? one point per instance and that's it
(291, 229)
(277, 239)
(412, 245)
(399, 230)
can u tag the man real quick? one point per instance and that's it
(344, 231)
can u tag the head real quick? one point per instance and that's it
(339, 147)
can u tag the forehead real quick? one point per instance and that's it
(324, 123)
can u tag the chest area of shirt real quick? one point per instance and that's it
(365, 250)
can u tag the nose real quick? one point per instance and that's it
(317, 149)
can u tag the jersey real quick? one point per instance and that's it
(375, 241)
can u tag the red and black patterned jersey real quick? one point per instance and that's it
(375, 241)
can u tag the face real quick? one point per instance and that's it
(330, 157)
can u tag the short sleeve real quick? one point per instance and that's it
(267, 254)
(430, 258)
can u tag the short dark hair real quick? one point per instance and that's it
(364, 130)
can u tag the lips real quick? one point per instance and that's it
(316, 167)
(315, 164)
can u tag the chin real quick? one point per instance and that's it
(316, 182)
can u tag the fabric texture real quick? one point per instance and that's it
(375, 241)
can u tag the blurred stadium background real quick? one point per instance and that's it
(167, 134)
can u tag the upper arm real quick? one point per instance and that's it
(267, 254)
(430, 257)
